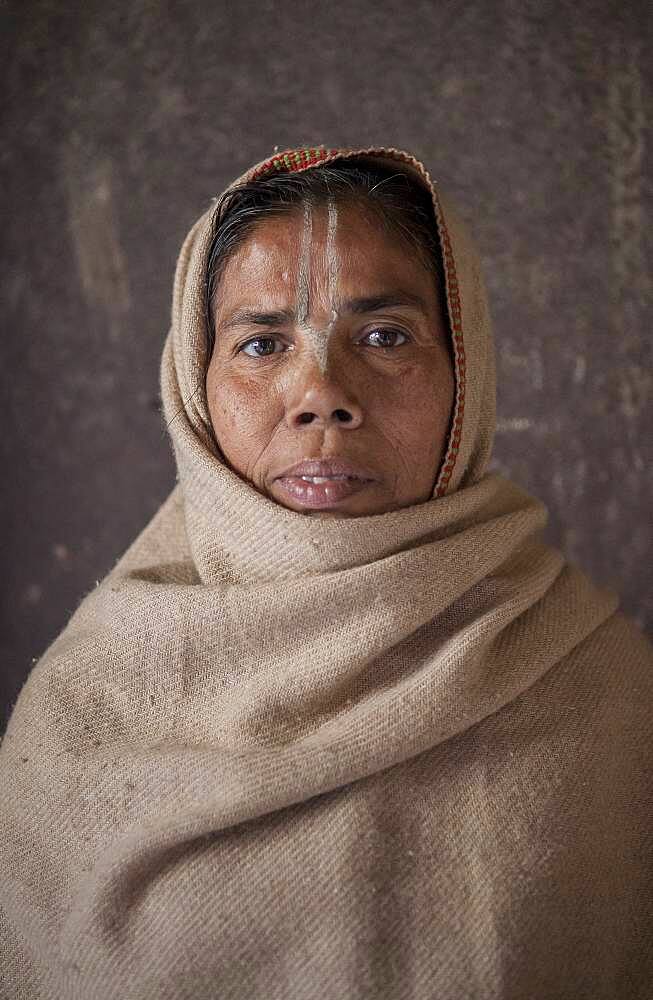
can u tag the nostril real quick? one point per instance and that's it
(307, 417)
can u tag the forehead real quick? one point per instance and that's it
(370, 255)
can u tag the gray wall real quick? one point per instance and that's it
(122, 120)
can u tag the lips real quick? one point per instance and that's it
(328, 468)
(337, 479)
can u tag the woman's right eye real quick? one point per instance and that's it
(265, 342)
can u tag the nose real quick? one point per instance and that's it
(322, 401)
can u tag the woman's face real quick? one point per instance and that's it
(330, 347)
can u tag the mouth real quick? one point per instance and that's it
(321, 493)
(323, 483)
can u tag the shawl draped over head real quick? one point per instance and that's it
(401, 756)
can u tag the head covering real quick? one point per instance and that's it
(405, 755)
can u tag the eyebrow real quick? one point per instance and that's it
(250, 317)
(357, 306)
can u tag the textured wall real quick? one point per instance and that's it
(121, 122)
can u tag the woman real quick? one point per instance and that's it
(338, 724)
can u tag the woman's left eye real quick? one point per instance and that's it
(384, 336)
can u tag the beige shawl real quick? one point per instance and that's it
(405, 756)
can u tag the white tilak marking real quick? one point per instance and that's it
(304, 276)
(322, 337)
(332, 257)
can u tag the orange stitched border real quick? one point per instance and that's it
(292, 160)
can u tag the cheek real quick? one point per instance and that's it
(418, 401)
(418, 416)
(243, 410)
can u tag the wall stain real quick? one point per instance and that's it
(625, 125)
(93, 222)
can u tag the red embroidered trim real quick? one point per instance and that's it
(292, 160)
(455, 316)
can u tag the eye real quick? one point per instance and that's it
(383, 337)
(266, 344)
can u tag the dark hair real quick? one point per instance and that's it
(402, 204)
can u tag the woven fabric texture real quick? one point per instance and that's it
(402, 756)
